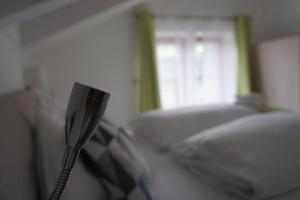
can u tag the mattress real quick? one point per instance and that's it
(171, 181)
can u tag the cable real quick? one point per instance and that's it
(61, 184)
(69, 160)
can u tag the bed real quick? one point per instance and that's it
(171, 181)
(173, 178)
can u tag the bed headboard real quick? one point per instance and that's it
(279, 70)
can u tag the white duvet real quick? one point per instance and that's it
(255, 157)
(163, 128)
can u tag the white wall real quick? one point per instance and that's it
(11, 77)
(103, 58)
(282, 18)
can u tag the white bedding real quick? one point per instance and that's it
(163, 128)
(253, 157)
(172, 182)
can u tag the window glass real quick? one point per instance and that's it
(191, 69)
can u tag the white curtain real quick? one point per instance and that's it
(203, 62)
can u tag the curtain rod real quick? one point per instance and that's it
(203, 17)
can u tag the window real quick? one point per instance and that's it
(196, 67)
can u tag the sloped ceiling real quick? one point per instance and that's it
(51, 28)
(14, 12)
(8, 7)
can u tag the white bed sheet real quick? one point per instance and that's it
(172, 182)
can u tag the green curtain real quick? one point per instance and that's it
(149, 98)
(243, 39)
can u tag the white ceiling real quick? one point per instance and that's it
(17, 11)
(53, 27)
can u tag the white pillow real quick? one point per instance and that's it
(163, 128)
(253, 157)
